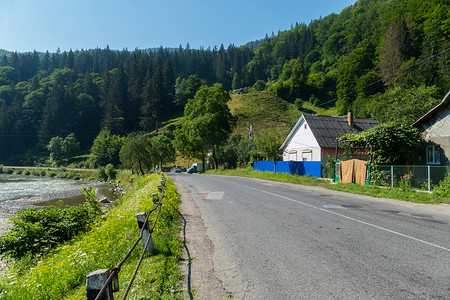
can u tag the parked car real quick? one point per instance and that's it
(192, 169)
(175, 170)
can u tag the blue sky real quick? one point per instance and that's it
(27, 25)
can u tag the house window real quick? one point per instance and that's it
(433, 155)
(292, 155)
(307, 155)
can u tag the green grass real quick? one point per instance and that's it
(311, 109)
(373, 191)
(265, 109)
(62, 273)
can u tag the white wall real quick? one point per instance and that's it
(437, 130)
(301, 143)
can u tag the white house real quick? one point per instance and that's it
(435, 128)
(313, 137)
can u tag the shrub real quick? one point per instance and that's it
(110, 172)
(406, 182)
(443, 189)
(328, 171)
(379, 177)
(51, 174)
(63, 174)
(8, 171)
(36, 231)
(101, 173)
(1, 168)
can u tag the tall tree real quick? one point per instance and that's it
(136, 154)
(116, 99)
(106, 148)
(208, 122)
(162, 150)
(392, 51)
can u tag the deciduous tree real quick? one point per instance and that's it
(208, 122)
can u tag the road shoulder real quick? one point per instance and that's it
(200, 278)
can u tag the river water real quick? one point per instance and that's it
(20, 191)
(17, 191)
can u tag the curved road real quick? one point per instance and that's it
(281, 241)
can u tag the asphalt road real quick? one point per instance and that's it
(282, 241)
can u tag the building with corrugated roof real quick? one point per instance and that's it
(313, 137)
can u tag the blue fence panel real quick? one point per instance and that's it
(264, 166)
(313, 168)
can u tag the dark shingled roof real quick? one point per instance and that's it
(326, 128)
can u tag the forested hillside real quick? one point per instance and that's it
(373, 57)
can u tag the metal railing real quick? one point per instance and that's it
(111, 283)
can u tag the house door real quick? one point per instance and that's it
(307, 155)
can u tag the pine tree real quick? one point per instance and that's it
(116, 100)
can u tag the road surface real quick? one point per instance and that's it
(280, 241)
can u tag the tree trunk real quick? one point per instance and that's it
(215, 158)
(203, 160)
(140, 167)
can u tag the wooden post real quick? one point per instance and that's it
(145, 233)
(94, 283)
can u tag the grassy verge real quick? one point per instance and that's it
(373, 191)
(62, 273)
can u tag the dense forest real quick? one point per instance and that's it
(387, 59)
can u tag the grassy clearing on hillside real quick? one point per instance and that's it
(373, 191)
(62, 273)
(311, 109)
(265, 109)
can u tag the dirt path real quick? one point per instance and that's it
(201, 280)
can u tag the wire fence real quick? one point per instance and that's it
(420, 177)
(110, 285)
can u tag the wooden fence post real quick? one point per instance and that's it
(145, 233)
(94, 283)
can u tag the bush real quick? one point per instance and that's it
(328, 171)
(260, 85)
(378, 177)
(110, 172)
(36, 231)
(51, 174)
(1, 169)
(406, 182)
(443, 189)
(8, 171)
(101, 173)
